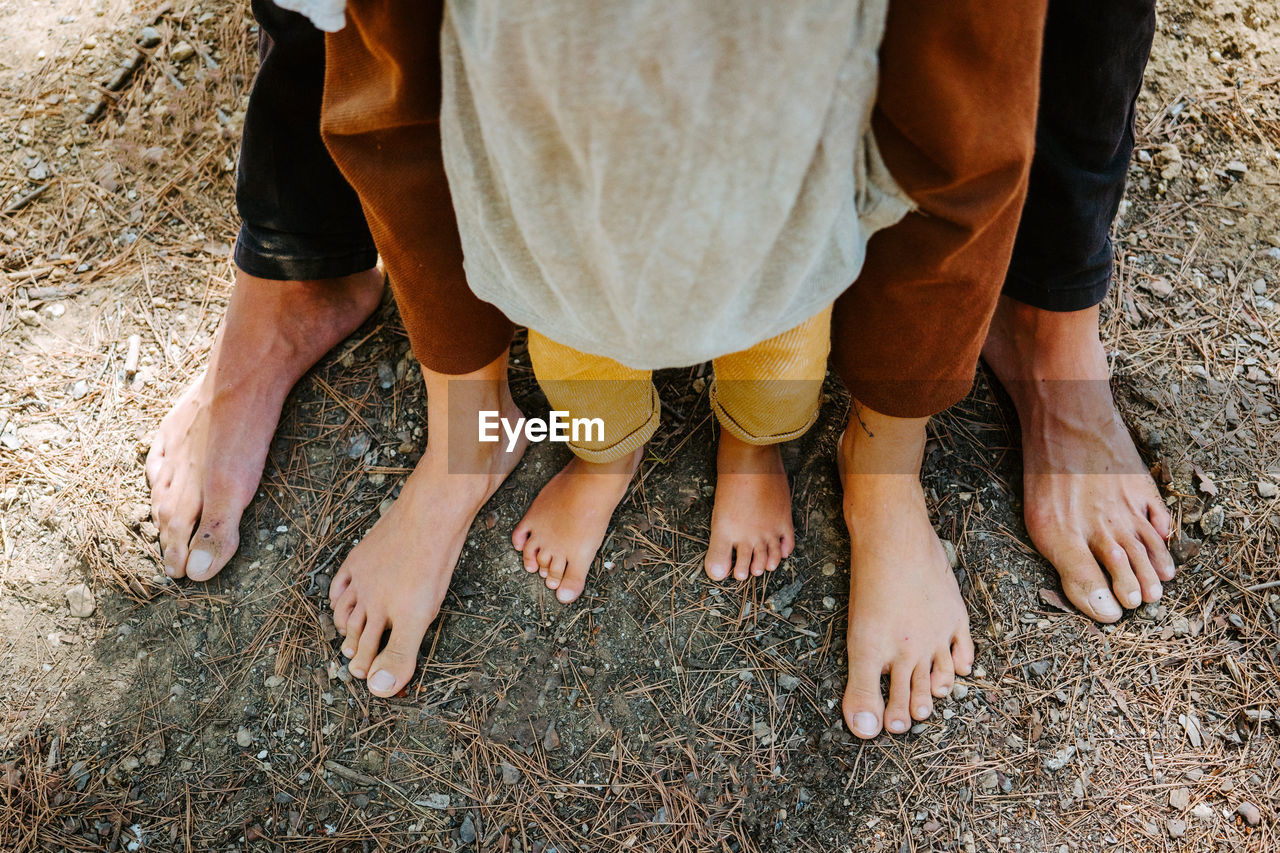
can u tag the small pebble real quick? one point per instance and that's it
(1267, 489)
(467, 832)
(439, 802)
(1177, 828)
(182, 52)
(1250, 813)
(1213, 520)
(149, 37)
(243, 737)
(80, 601)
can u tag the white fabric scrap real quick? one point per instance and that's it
(327, 15)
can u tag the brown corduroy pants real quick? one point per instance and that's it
(381, 122)
(955, 122)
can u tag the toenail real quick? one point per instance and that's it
(1105, 604)
(382, 681)
(897, 726)
(198, 563)
(170, 570)
(1157, 590)
(349, 653)
(358, 673)
(865, 723)
(923, 711)
(1133, 599)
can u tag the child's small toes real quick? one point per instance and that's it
(555, 571)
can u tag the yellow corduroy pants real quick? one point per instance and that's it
(767, 394)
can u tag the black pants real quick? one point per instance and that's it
(1094, 54)
(303, 221)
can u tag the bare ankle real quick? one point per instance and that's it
(1026, 343)
(874, 443)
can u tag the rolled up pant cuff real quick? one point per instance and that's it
(280, 256)
(630, 443)
(1076, 296)
(738, 431)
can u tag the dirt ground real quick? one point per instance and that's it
(661, 712)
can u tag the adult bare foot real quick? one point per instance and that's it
(206, 459)
(751, 528)
(566, 525)
(906, 617)
(1090, 504)
(396, 578)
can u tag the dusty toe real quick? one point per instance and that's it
(1085, 585)
(719, 556)
(340, 583)
(351, 635)
(1157, 553)
(1124, 583)
(367, 647)
(555, 571)
(922, 691)
(774, 547)
(1159, 517)
(943, 676)
(897, 711)
(575, 580)
(1143, 570)
(863, 705)
(394, 665)
(962, 651)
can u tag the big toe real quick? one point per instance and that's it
(863, 705)
(719, 556)
(213, 545)
(1085, 585)
(393, 667)
(574, 580)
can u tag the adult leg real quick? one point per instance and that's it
(305, 280)
(1090, 505)
(381, 123)
(955, 123)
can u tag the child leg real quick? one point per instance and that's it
(564, 528)
(762, 397)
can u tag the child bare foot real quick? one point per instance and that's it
(906, 617)
(751, 529)
(206, 458)
(566, 525)
(396, 578)
(1091, 507)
